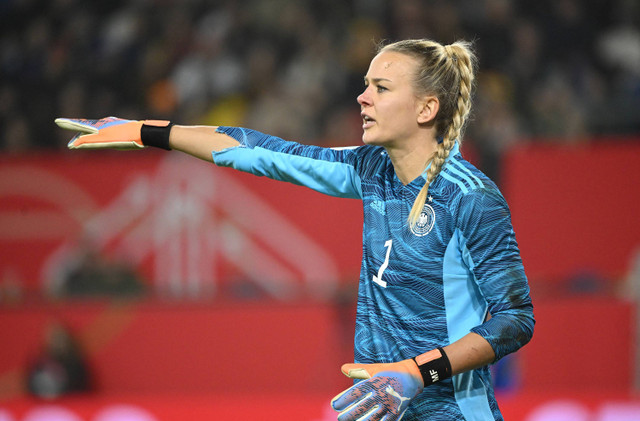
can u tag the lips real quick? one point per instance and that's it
(367, 121)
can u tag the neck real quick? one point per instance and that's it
(410, 160)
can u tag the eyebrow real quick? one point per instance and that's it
(377, 79)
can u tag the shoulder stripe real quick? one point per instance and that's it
(466, 170)
(453, 171)
(454, 180)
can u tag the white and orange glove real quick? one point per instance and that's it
(387, 389)
(384, 393)
(116, 133)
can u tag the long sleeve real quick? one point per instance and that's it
(329, 171)
(490, 251)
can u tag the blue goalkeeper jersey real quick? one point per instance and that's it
(457, 271)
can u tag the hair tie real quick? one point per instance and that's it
(452, 55)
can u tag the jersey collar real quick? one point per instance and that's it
(454, 151)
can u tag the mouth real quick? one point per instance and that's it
(367, 121)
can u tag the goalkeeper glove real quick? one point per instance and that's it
(116, 133)
(384, 394)
(388, 389)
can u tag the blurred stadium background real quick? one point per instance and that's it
(176, 290)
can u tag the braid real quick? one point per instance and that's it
(449, 72)
(459, 53)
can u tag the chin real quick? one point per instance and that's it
(371, 140)
(368, 139)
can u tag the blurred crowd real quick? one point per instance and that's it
(554, 70)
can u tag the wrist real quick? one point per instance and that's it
(434, 366)
(156, 133)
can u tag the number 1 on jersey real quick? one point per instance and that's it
(378, 279)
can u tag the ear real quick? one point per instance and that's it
(428, 109)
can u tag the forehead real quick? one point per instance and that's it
(391, 65)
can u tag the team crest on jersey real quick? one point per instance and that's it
(426, 221)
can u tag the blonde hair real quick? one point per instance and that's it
(448, 72)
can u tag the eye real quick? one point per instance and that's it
(381, 89)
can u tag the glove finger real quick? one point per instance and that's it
(78, 125)
(369, 410)
(342, 400)
(88, 142)
(348, 397)
(72, 143)
(376, 413)
(357, 371)
(365, 409)
(90, 126)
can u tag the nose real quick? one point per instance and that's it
(364, 99)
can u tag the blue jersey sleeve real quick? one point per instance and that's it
(492, 254)
(329, 171)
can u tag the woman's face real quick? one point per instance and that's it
(389, 106)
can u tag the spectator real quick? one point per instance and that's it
(88, 273)
(59, 368)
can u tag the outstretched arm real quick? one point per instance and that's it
(199, 141)
(325, 170)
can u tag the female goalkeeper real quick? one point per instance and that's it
(442, 291)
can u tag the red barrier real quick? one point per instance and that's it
(189, 348)
(575, 208)
(156, 347)
(580, 344)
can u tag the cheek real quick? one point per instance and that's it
(401, 115)
(395, 107)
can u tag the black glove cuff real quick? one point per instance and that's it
(432, 367)
(156, 136)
